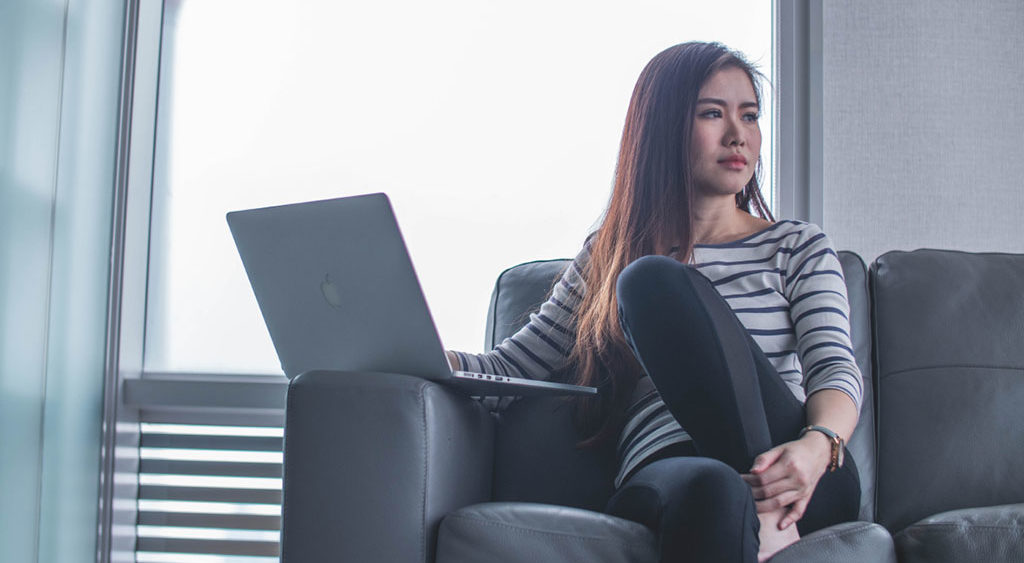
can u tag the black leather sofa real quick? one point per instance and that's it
(391, 468)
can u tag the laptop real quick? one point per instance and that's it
(338, 291)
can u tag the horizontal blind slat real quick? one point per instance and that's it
(169, 557)
(210, 468)
(223, 547)
(255, 418)
(249, 443)
(212, 494)
(233, 521)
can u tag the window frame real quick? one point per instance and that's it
(132, 395)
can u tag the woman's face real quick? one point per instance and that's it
(726, 140)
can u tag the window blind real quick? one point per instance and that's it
(208, 493)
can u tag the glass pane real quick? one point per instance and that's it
(61, 75)
(494, 128)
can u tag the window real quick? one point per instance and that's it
(493, 127)
(500, 121)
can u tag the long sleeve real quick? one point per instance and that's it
(820, 312)
(543, 345)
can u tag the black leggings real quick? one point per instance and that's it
(725, 393)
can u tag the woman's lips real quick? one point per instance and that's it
(734, 162)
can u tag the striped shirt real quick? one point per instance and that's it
(785, 285)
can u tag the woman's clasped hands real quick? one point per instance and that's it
(786, 476)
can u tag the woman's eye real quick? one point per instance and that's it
(712, 113)
(751, 116)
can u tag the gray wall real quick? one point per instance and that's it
(923, 125)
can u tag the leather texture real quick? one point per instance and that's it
(373, 462)
(851, 542)
(949, 329)
(519, 291)
(993, 533)
(532, 533)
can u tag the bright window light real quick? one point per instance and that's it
(162, 480)
(189, 454)
(209, 430)
(493, 126)
(158, 557)
(200, 507)
(189, 533)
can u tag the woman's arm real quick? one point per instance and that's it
(543, 345)
(787, 475)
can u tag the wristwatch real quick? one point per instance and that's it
(835, 439)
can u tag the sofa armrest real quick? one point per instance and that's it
(853, 542)
(990, 533)
(373, 461)
(521, 532)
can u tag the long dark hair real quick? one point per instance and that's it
(650, 211)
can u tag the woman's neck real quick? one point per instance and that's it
(718, 220)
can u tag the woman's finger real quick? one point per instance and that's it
(774, 489)
(781, 468)
(796, 512)
(766, 460)
(776, 502)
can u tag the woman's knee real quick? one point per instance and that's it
(699, 507)
(650, 284)
(712, 481)
(699, 480)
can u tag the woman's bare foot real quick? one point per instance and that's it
(772, 538)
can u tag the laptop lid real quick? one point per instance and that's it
(337, 288)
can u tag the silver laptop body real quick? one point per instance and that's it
(338, 291)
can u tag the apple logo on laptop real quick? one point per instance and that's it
(330, 291)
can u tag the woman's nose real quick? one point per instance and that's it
(733, 133)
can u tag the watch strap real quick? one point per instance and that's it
(836, 441)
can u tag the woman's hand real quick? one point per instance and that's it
(787, 474)
(453, 360)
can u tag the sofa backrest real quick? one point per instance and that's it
(862, 443)
(536, 458)
(949, 344)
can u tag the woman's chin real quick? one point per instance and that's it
(722, 190)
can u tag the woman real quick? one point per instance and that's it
(720, 339)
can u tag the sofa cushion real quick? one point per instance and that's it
(949, 328)
(993, 533)
(530, 533)
(851, 542)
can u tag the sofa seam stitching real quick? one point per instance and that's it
(289, 413)
(426, 456)
(953, 366)
(926, 527)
